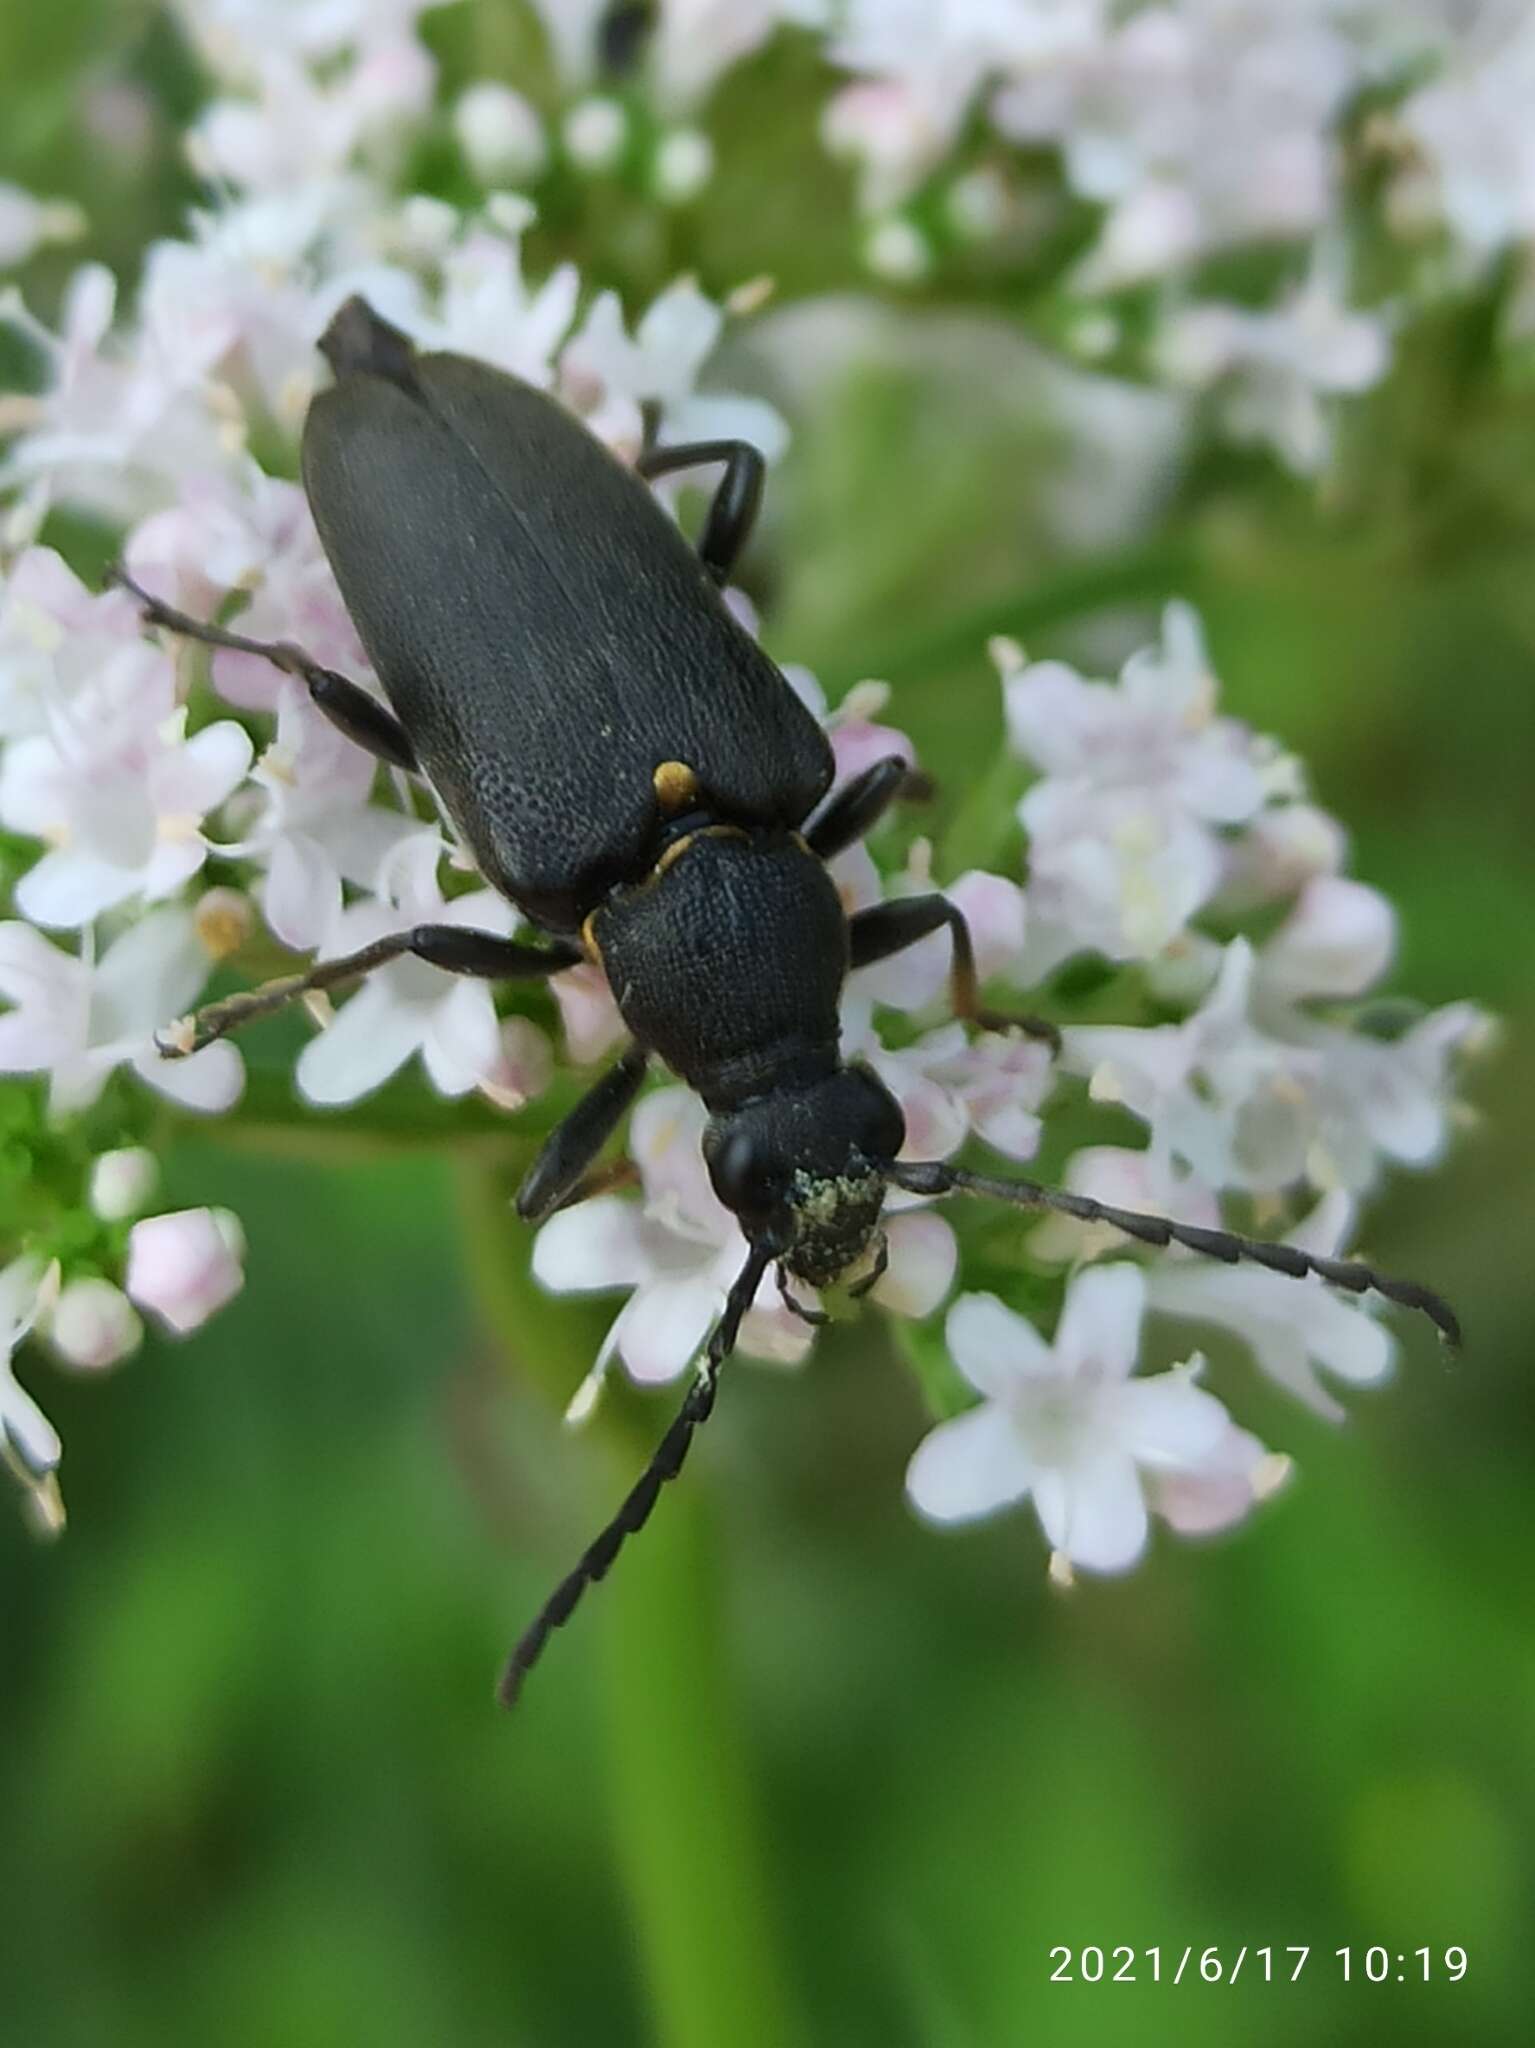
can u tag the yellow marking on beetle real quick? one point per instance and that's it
(676, 785)
(589, 940)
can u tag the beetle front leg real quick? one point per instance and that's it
(561, 1174)
(451, 947)
(733, 508)
(888, 928)
(346, 704)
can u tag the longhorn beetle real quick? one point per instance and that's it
(633, 773)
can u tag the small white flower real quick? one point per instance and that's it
(1064, 1424)
(92, 1325)
(184, 1266)
(1138, 779)
(76, 1021)
(680, 1250)
(612, 376)
(1278, 367)
(27, 223)
(1222, 1489)
(408, 1007)
(118, 792)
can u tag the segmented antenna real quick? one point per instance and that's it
(665, 1464)
(935, 1178)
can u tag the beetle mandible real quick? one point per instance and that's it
(633, 773)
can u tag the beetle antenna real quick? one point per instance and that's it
(937, 1178)
(665, 1464)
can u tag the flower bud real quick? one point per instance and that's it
(93, 1326)
(122, 1182)
(185, 1265)
(595, 133)
(500, 134)
(684, 164)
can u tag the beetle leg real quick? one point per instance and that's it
(556, 1176)
(452, 947)
(734, 505)
(347, 705)
(856, 807)
(888, 928)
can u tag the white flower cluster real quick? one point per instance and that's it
(1193, 128)
(161, 823)
(1148, 811)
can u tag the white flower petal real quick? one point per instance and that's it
(592, 1246)
(372, 1037)
(923, 1261)
(1100, 1325)
(991, 1346)
(971, 1466)
(663, 1326)
(1094, 1513)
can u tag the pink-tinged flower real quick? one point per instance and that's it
(524, 1065)
(1138, 779)
(1222, 1489)
(118, 791)
(242, 530)
(1292, 1327)
(300, 130)
(113, 427)
(408, 1007)
(76, 1021)
(184, 1266)
(588, 1012)
(609, 377)
(55, 636)
(1064, 1424)
(29, 1443)
(679, 1250)
(316, 827)
(92, 1325)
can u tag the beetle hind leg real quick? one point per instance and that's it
(348, 706)
(454, 948)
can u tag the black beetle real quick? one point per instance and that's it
(631, 770)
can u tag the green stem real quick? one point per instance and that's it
(686, 1834)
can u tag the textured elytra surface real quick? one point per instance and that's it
(729, 964)
(545, 632)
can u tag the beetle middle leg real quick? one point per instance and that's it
(888, 928)
(733, 508)
(347, 705)
(454, 948)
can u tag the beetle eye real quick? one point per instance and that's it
(742, 1174)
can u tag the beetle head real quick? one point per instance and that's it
(805, 1169)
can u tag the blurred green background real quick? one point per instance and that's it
(806, 1772)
